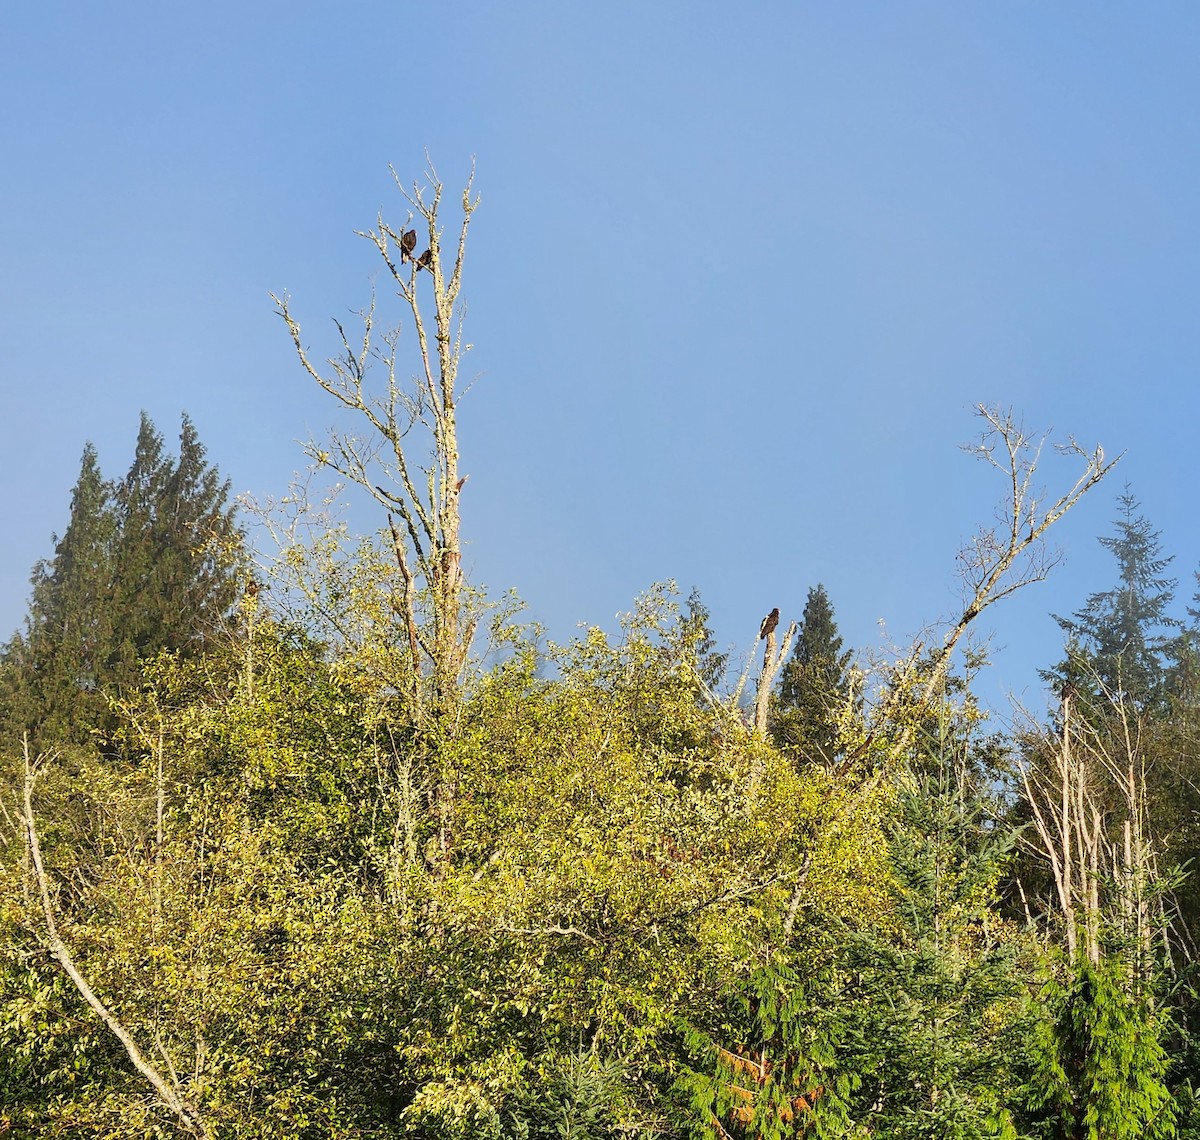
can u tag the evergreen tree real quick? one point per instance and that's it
(52, 671)
(814, 686)
(934, 1005)
(174, 581)
(1100, 1066)
(145, 565)
(1119, 639)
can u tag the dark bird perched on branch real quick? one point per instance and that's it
(768, 624)
(408, 242)
(425, 258)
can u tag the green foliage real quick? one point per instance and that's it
(553, 1096)
(577, 1097)
(772, 1069)
(1100, 1065)
(710, 663)
(50, 674)
(1117, 642)
(587, 902)
(147, 564)
(814, 689)
(935, 1003)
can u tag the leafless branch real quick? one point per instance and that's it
(167, 1090)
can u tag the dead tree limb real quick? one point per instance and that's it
(1000, 559)
(380, 457)
(167, 1090)
(1003, 559)
(773, 659)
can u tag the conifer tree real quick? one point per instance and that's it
(1099, 1064)
(52, 670)
(1119, 639)
(173, 582)
(934, 1004)
(814, 685)
(144, 565)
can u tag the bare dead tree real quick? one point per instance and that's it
(773, 659)
(403, 418)
(167, 1089)
(774, 655)
(1001, 559)
(1087, 795)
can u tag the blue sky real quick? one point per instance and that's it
(737, 280)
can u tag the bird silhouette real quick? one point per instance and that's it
(768, 624)
(423, 262)
(408, 242)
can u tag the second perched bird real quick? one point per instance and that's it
(408, 242)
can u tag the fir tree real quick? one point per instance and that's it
(1118, 641)
(934, 1005)
(146, 565)
(176, 532)
(53, 670)
(814, 686)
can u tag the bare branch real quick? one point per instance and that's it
(999, 560)
(420, 501)
(167, 1090)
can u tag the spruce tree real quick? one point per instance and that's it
(814, 686)
(53, 670)
(145, 565)
(1118, 641)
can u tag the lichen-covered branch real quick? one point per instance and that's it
(420, 498)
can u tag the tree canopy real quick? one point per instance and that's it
(147, 564)
(303, 862)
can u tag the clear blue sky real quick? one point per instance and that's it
(738, 278)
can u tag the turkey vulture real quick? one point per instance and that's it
(425, 258)
(408, 242)
(768, 624)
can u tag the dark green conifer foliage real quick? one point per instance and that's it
(1118, 640)
(814, 684)
(174, 581)
(566, 1097)
(935, 1006)
(53, 670)
(146, 565)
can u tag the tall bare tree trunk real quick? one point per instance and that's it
(386, 459)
